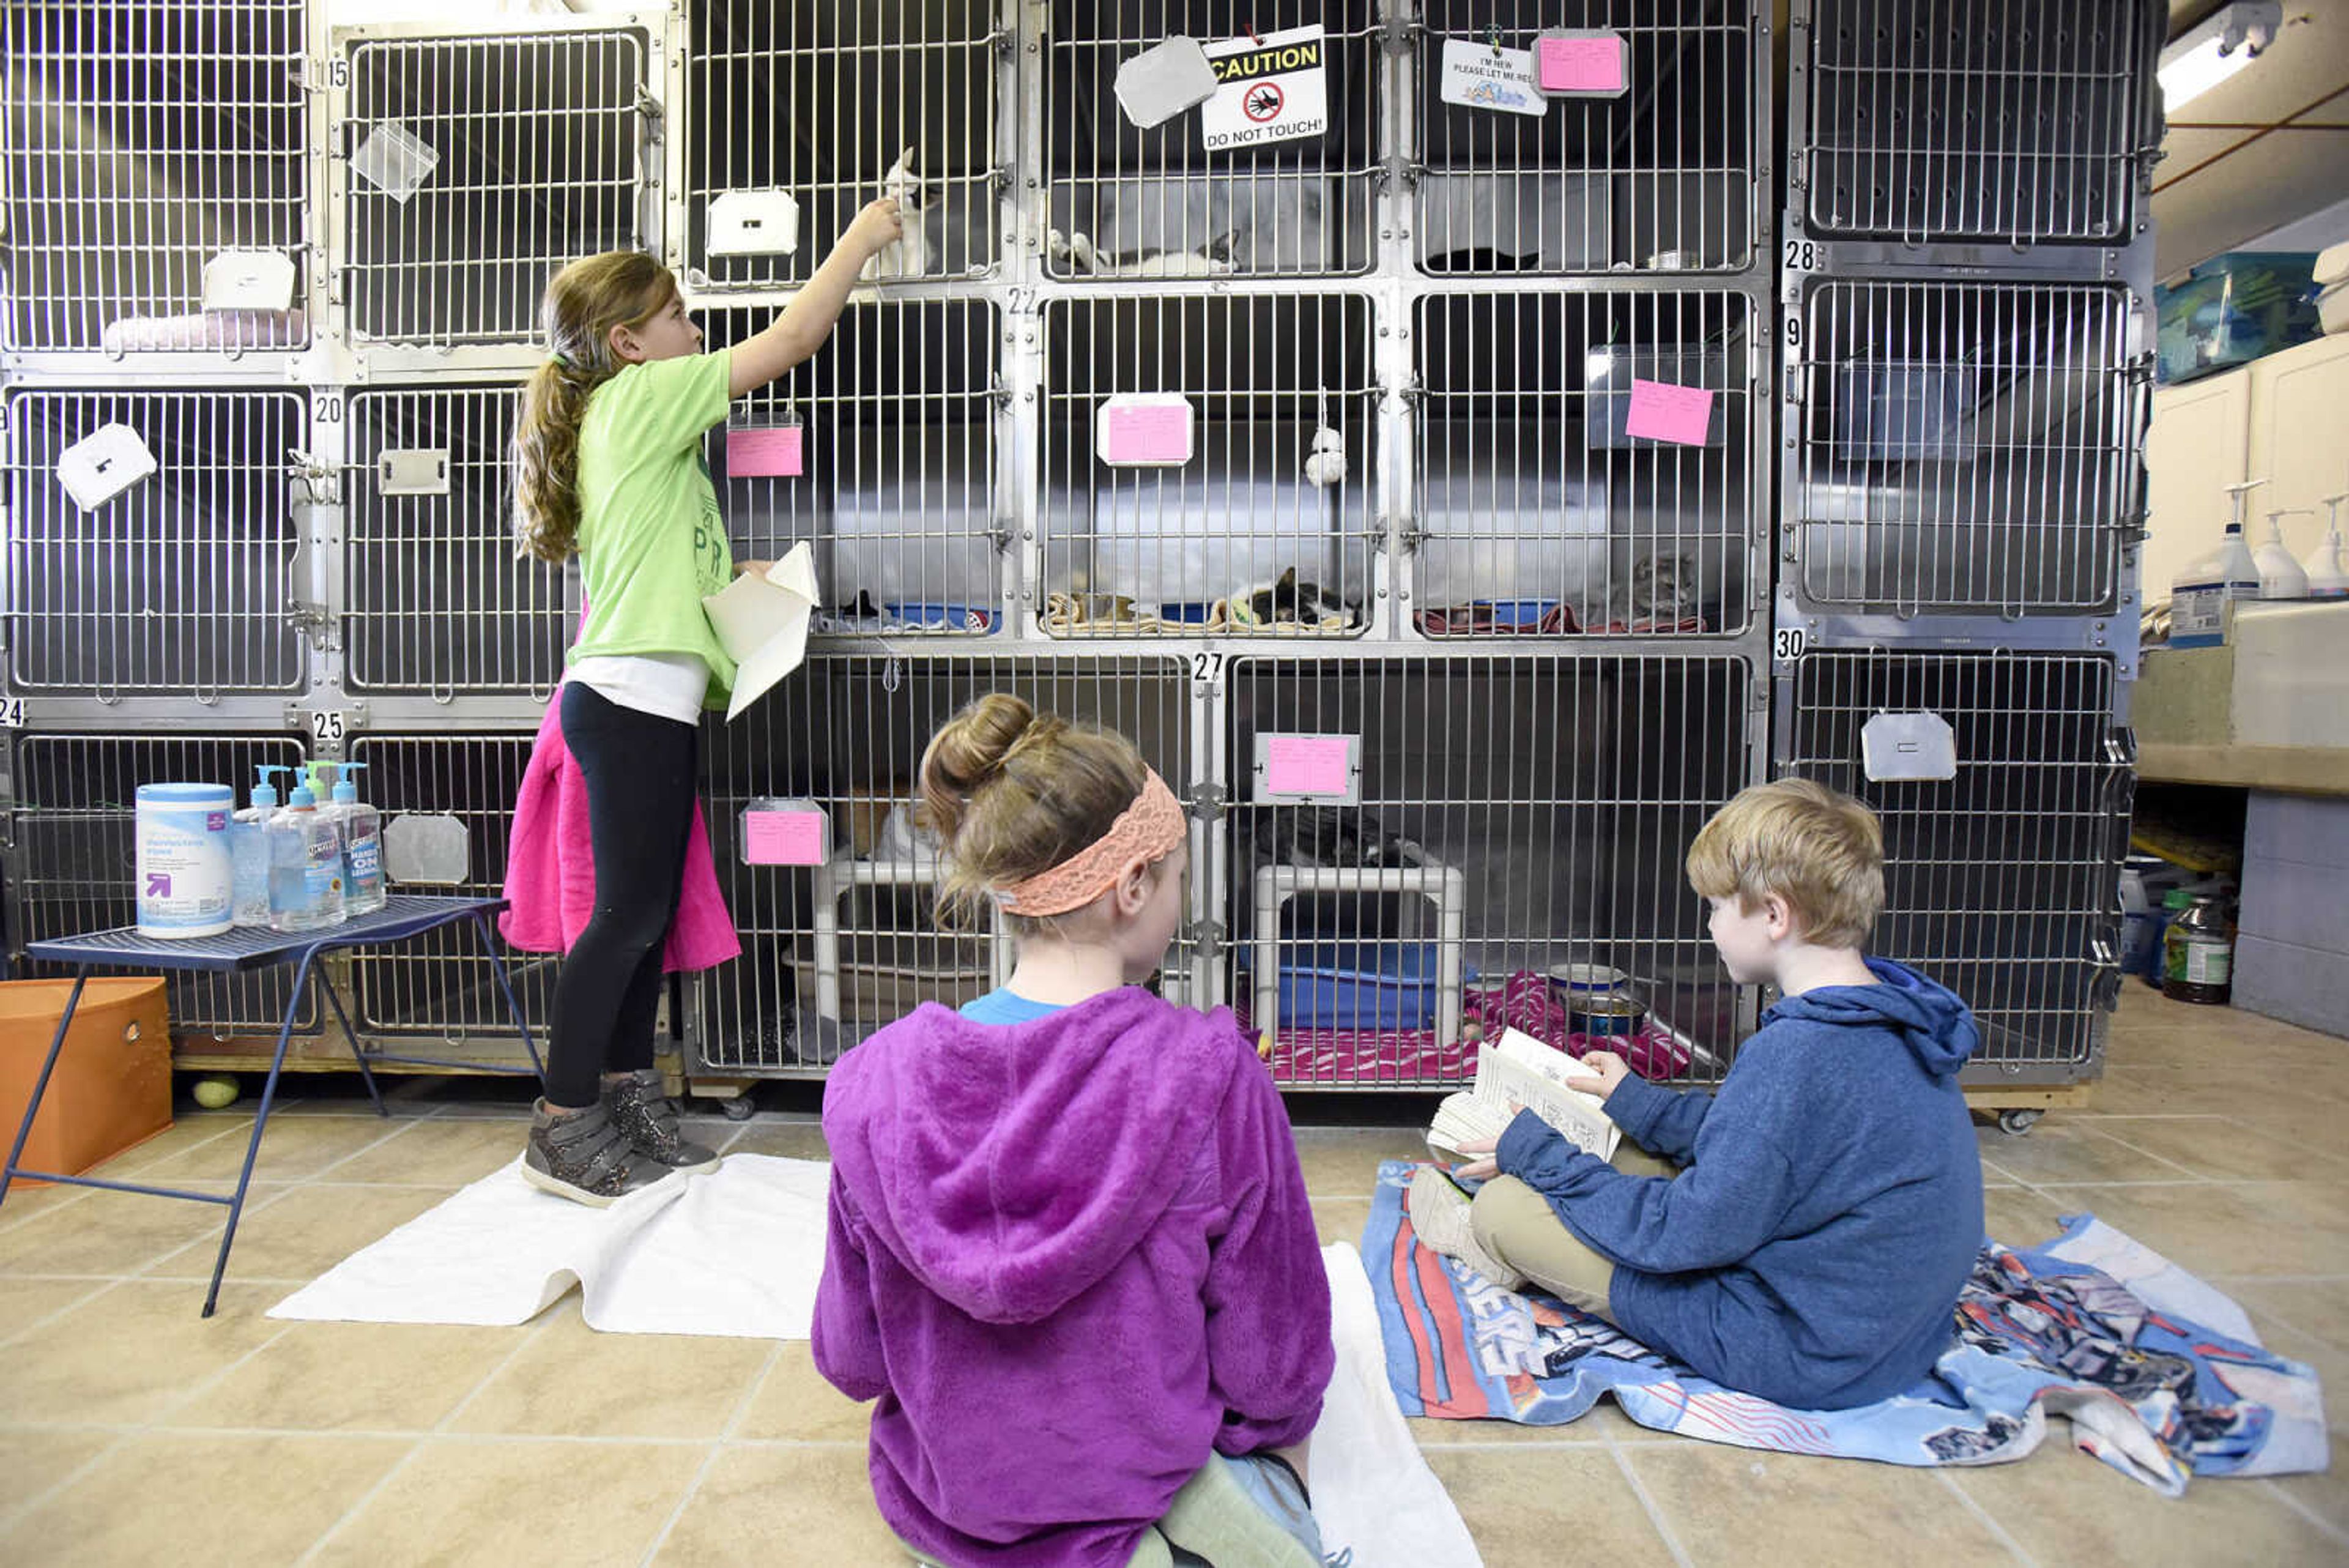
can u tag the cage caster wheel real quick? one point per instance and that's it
(2016, 1123)
(737, 1108)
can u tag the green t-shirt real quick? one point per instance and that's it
(652, 543)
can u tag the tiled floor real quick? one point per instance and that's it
(131, 1431)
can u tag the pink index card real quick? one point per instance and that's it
(1580, 65)
(765, 451)
(1308, 764)
(1146, 433)
(783, 837)
(1661, 411)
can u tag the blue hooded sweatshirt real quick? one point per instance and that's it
(1813, 1250)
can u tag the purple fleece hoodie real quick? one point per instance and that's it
(1069, 1258)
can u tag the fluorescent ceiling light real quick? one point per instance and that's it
(2215, 48)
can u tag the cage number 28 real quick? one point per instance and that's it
(327, 723)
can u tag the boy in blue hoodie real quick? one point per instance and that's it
(1806, 1233)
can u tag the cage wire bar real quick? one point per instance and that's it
(436, 602)
(1266, 527)
(2003, 883)
(74, 852)
(141, 141)
(795, 114)
(1187, 198)
(472, 169)
(1927, 123)
(1965, 447)
(179, 585)
(894, 476)
(832, 952)
(1539, 512)
(1499, 818)
(1664, 175)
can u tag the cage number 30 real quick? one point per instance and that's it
(1788, 642)
(327, 724)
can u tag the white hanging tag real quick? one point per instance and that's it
(103, 464)
(1270, 88)
(1144, 430)
(413, 471)
(1478, 75)
(1164, 80)
(249, 280)
(754, 223)
(395, 161)
(1894, 747)
(418, 846)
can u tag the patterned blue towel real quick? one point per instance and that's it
(2161, 1376)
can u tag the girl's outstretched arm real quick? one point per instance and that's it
(808, 321)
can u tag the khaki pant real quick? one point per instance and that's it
(1516, 1226)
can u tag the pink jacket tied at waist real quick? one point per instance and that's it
(551, 867)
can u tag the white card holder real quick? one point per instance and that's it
(413, 471)
(1897, 748)
(249, 280)
(103, 464)
(754, 223)
(1164, 80)
(395, 161)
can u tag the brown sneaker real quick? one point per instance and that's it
(581, 1156)
(648, 1119)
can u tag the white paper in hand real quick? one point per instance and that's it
(762, 622)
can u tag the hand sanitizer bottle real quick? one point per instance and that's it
(248, 845)
(362, 829)
(305, 866)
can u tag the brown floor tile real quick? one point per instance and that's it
(24, 1303)
(437, 1154)
(2330, 1364)
(2222, 1149)
(785, 1140)
(127, 1356)
(308, 1231)
(184, 1134)
(795, 1402)
(353, 1377)
(1536, 1508)
(1343, 1162)
(27, 1198)
(1341, 1219)
(2071, 1150)
(201, 1499)
(782, 1508)
(571, 1381)
(291, 1150)
(1601, 1421)
(122, 1232)
(2065, 1509)
(2317, 1307)
(2266, 1228)
(2325, 1495)
(1735, 1506)
(2020, 1218)
(460, 1502)
(36, 1462)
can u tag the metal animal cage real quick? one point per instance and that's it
(441, 984)
(1930, 123)
(796, 114)
(180, 583)
(1965, 446)
(477, 167)
(2002, 882)
(1208, 465)
(1539, 511)
(72, 866)
(1425, 850)
(882, 450)
(1654, 161)
(833, 950)
(141, 142)
(1273, 176)
(435, 600)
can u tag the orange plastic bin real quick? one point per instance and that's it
(112, 1086)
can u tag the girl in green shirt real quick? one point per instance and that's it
(610, 466)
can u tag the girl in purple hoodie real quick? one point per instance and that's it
(1070, 1252)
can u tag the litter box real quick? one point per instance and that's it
(1522, 614)
(940, 616)
(1361, 985)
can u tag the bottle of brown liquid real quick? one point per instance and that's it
(2198, 954)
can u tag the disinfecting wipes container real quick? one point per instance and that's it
(186, 878)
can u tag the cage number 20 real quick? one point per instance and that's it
(1788, 641)
(327, 723)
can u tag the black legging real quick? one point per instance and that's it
(639, 772)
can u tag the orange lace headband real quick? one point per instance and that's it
(1152, 826)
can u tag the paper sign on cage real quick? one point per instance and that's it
(249, 280)
(413, 471)
(786, 833)
(1144, 430)
(1164, 80)
(753, 223)
(395, 161)
(1662, 411)
(766, 451)
(1308, 767)
(1898, 747)
(1582, 62)
(103, 464)
(1485, 75)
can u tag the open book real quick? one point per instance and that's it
(1515, 1067)
(762, 622)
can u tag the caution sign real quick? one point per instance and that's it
(1272, 87)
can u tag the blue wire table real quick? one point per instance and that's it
(402, 917)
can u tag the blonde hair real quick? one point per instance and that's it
(1010, 792)
(1821, 851)
(583, 302)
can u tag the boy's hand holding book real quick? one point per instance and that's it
(1601, 1071)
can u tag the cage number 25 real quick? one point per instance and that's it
(327, 723)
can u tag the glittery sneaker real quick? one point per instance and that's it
(648, 1119)
(581, 1156)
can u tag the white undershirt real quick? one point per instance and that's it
(666, 685)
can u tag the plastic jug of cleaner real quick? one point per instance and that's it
(362, 829)
(2327, 567)
(305, 866)
(2198, 953)
(2280, 575)
(2199, 595)
(248, 844)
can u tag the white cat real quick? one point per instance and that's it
(911, 256)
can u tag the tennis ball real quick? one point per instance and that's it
(216, 1094)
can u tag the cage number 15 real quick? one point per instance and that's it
(327, 724)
